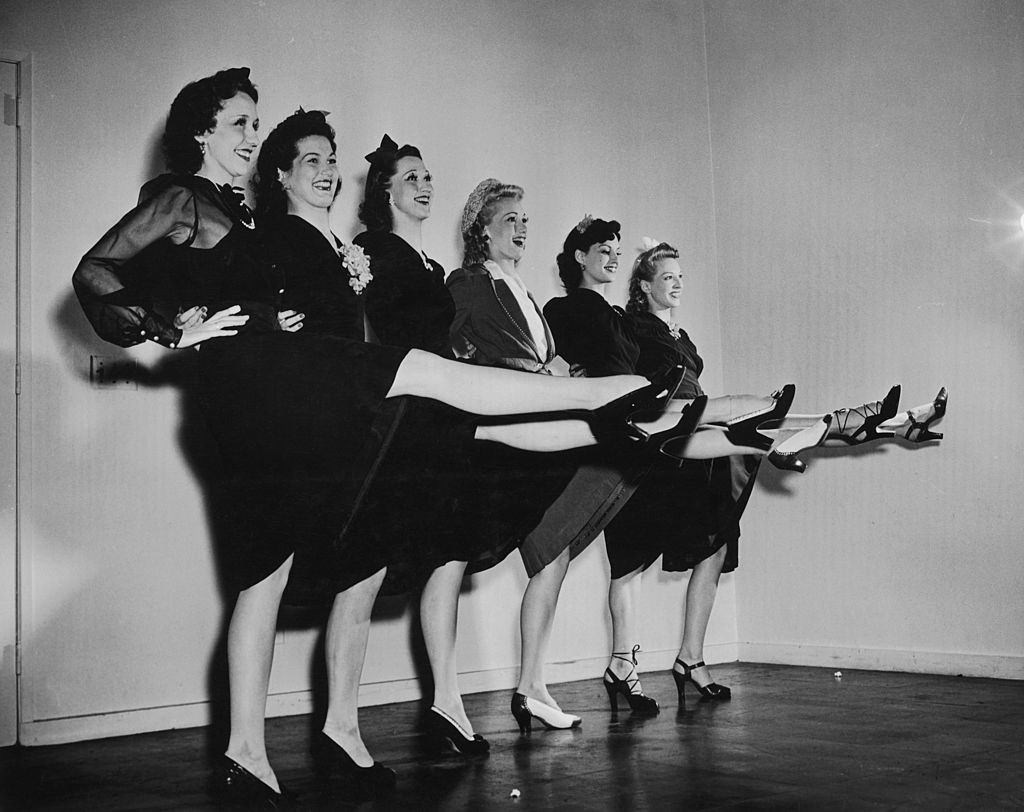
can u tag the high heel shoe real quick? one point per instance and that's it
(451, 736)
(860, 425)
(235, 785)
(672, 442)
(784, 455)
(744, 430)
(710, 691)
(331, 758)
(616, 421)
(629, 687)
(525, 710)
(918, 431)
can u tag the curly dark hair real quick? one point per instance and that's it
(644, 268)
(375, 210)
(279, 151)
(194, 112)
(473, 235)
(596, 231)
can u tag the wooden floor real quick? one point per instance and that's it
(791, 738)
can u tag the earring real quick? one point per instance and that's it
(202, 147)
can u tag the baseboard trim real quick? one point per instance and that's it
(992, 666)
(172, 717)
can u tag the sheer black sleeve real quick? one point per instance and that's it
(116, 279)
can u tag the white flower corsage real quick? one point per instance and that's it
(357, 263)
(647, 243)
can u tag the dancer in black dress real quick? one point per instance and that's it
(689, 515)
(284, 406)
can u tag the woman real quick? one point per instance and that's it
(710, 496)
(283, 405)
(496, 496)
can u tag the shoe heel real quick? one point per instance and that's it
(613, 697)
(680, 681)
(522, 714)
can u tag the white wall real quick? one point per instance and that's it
(589, 108)
(860, 221)
(869, 180)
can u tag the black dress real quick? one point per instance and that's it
(683, 513)
(297, 416)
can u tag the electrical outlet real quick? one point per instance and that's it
(113, 373)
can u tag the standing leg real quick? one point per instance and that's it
(623, 596)
(348, 630)
(439, 617)
(250, 657)
(536, 617)
(700, 600)
(621, 676)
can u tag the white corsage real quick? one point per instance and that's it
(357, 263)
(647, 243)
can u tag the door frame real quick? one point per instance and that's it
(10, 533)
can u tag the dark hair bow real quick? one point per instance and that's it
(388, 152)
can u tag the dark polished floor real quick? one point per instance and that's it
(791, 738)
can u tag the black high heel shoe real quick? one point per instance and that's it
(860, 425)
(451, 736)
(744, 430)
(712, 690)
(616, 421)
(235, 785)
(629, 687)
(672, 442)
(330, 758)
(919, 431)
(525, 710)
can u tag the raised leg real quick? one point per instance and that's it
(494, 391)
(348, 630)
(250, 657)
(536, 617)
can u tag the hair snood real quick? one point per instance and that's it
(478, 213)
(586, 233)
(194, 112)
(644, 269)
(279, 151)
(375, 210)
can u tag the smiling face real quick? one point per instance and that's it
(506, 233)
(312, 182)
(665, 290)
(231, 142)
(600, 263)
(411, 188)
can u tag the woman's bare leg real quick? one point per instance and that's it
(700, 600)
(536, 617)
(623, 597)
(250, 657)
(348, 630)
(439, 615)
(494, 391)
